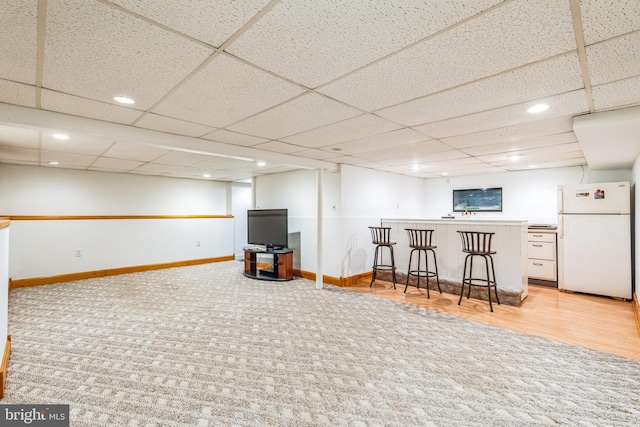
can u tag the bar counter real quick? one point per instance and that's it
(509, 242)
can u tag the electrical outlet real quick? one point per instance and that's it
(198, 243)
(78, 252)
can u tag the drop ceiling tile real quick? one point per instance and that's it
(347, 160)
(370, 165)
(18, 32)
(512, 133)
(346, 130)
(190, 175)
(618, 94)
(461, 166)
(533, 159)
(139, 152)
(181, 158)
(67, 160)
(432, 157)
(212, 22)
(278, 147)
(9, 154)
(235, 138)
(571, 103)
(455, 163)
(215, 162)
(315, 154)
(557, 75)
(615, 59)
(523, 144)
(252, 167)
(533, 154)
(301, 114)
(224, 91)
(142, 61)
(17, 93)
(171, 125)
(578, 161)
(160, 169)
(515, 34)
(63, 103)
(603, 20)
(13, 136)
(77, 143)
(377, 142)
(280, 169)
(313, 42)
(119, 165)
(414, 150)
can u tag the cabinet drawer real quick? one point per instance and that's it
(542, 269)
(542, 250)
(541, 237)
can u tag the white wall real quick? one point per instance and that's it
(48, 248)
(241, 202)
(297, 192)
(32, 190)
(367, 197)
(530, 194)
(353, 199)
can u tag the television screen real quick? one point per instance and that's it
(268, 227)
(478, 200)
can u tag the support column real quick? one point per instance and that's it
(319, 233)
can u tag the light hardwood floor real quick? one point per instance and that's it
(599, 323)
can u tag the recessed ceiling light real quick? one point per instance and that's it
(533, 166)
(123, 100)
(415, 167)
(538, 108)
(444, 173)
(206, 175)
(514, 157)
(53, 162)
(60, 136)
(261, 163)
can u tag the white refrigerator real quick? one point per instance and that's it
(594, 239)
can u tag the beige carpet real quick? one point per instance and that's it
(205, 346)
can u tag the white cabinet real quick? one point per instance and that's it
(542, 258)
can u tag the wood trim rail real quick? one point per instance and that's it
(38, 281)
(93, 217)
(4, 367)
(4, 222)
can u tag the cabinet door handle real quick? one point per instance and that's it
(537, 246)
(537, 264)
(537, 235)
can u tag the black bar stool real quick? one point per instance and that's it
(478, 244)
(381, 237)
(420, 240)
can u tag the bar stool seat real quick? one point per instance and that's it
(421, 241)
(381, 237)
(478, 244)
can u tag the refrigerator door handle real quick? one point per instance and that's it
(560, 201)
(561, 227)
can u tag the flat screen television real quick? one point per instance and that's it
(268, 227)
(478, 200)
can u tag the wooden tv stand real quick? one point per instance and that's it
(277, 266)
